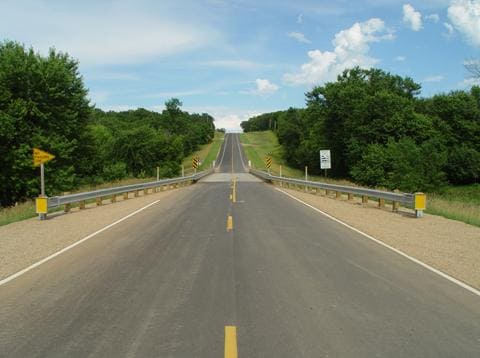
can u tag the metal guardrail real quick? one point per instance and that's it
(79, 197)
(406, 199)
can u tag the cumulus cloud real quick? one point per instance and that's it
(227, 117)
(412, 17)
(351, 48)
(449, 28)
(264, 87)
(299, 37)
(465, 17)
(433, 17)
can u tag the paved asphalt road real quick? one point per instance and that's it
(166, 283)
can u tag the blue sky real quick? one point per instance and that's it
(235, 59)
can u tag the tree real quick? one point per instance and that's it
(43, 104)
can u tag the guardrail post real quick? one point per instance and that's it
(338, 195)
(381, 203)
(136, 193)
(420, 204)
(395, 206)
(66, 208)
(82, 205)
(350, 196)
(125, 196)
(364, 199)
(327, 192)
(113, 199)
(98, 201)
(145, 191)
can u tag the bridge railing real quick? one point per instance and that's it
(415, 201)
(43, 204)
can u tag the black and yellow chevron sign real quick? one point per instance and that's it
(268, 161)
(195, 162)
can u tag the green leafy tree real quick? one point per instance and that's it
(42, 104)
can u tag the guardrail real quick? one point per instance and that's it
(43, 204)
(415, 201)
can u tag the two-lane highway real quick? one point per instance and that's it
(283, 281)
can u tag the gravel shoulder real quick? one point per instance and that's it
(450, 246)
(26, 242)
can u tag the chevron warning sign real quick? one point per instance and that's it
(268, 161)
(195, 162)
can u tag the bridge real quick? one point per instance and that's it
(233, 267)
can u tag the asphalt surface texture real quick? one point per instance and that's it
(167, 281)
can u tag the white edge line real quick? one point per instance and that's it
(223, 152)
(48, 258)
(240, 151)
(428, 267)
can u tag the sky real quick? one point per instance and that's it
(235, 59)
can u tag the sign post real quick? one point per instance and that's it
(325, 160)
(39, 158)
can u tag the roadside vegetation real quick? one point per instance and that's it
(44, 104)
(207, 153)
(382, 134)
(454, 202)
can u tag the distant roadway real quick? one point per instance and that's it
(264, 276)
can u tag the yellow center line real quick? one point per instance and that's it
(231, 342)
(234, 190)
(232, 154)
(229, 223)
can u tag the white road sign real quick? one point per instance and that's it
(325, 162)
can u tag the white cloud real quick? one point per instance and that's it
(435, 78)
(351, 48)
(433, 17)
(299, 37)
(412, 17)
(450, 30)
(264, 88)
(400, 58)
(465, 17)
(227, 117)
(129, 34)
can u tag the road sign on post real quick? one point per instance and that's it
(39, 158)
(325, 161)
(268, 161)
(195, 163)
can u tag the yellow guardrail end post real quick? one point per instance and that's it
(420, 204)
(41, 207)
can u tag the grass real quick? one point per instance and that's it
(207, 153)
(460, 203)
(258, 144)
(26, 210)
(16, 213)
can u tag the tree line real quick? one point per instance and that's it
(381, 133)
(44, 104)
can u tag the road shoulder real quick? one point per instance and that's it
(447, 245)
(27, 242)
